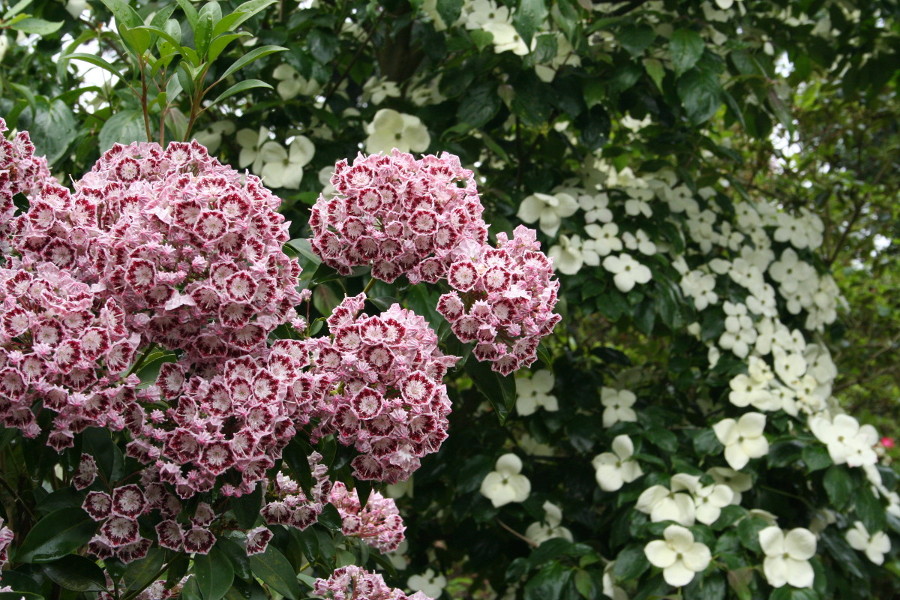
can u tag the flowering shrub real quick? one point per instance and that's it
(221, 376)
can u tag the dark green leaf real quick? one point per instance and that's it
(246, 508)
(246, 59)
(331, 518)
(845, 556)
(76, 573)
(711, 587)
(273, 569)
(498, 389)
(529, 17)
(869, 509)
(594, 126)
(449, 10)
(636, 38)
(838, 485)
(144, 571)
(816, 457)
(706, 443)
(548, 584)
(630, 563)
(784, 453)
(700, 94)
(123, 12)
(214, 574)
(748, 532)
(685, 48)
(56, 535)
(237, 554)
(663, 439)
(322, 44)
(207, 17)
(479, 105)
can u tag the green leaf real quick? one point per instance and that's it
(275, 571)
(20, 596)
(838, 485)
(594, 126)
(636, 38)
(218, 45)
(711, 587)
(246, 508)
(124, 13)
(189, 11)
(529, 17)
(816, 457)
(479, 105)
(499, 390)
(792, 593)
(56, 535)
(214, 574)
(548, 584)
(706, 443)
(655, 70)
(123, 127)
(243, 12)
(748, 532)
(76, 573)
(784, 453)
(36, 26)
(141, 573)
(630, 563)
(323, 45)
(845, 556)
(53, 129)
(237, 554)
(95, 60)
(162, 33)
(331, 518)
(584, 583)
(16, 9)
(241, 86)
(209, 15)
(248, 58)
(449, 10)
(700, 94)
(869, 509)
(663, 439)
(685, 47)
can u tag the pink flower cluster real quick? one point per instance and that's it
(21, 172)
(378, 524)
(63, 345)
(503, 300)
(118, 513)
(190, 248)
(6, 538)
(385, 398)
(293, 507)
(236, 421)
(399, 215)
(354, 583)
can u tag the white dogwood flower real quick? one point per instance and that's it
(847, 441)
(506, 484)
(540, 532)
(391, 129)
(675, 503)
(626, 271)
(283, 168)
(534, 392)
(549, 209)
(679, 556)
(617, 405)
(875, 545)
(615, 469)
(743, 439)
(429, 583)
(787, 556)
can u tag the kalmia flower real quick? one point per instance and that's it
(503, 299)
(235, 421)
(21, 172)
(399, 215)
(378, 523)
(353, 582)
(384, 394)
(6, 538)
(189, 248)
(293, 507)
(64, 346)
(119, 534)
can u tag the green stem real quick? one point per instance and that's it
(368, 286)
(144, 108)
(140, 362)
(134, 593)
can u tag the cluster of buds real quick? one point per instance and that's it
(399, 215)
(190, 248)
(294, 508)
(64, 345)
(503, 300)
(355, 583)
(386, 397)
(378, 523)
(21, 172)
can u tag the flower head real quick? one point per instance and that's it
(787, 556)
(506, 483)
(678, 555)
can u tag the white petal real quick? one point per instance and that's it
(800, 543)
(735, 457)
(776, 571)
(799, 573)
(623, 446)
(752, 424)
(679, 538)
(725, 431)
(660, 554)
(650, 498)
(609, 478)
(771, 540)
(678, 574)
(697, 557)
(509, 464)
